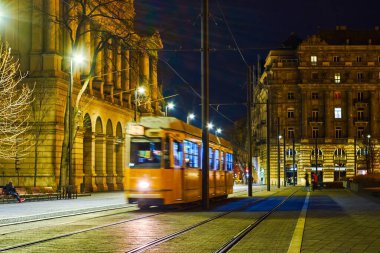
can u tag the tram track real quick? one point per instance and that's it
(166, 238)
(57, 237)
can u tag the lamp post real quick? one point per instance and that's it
(169, 106)
(218, 131)
(210, 126)
(139, 90)
(78, 58)
(278, 159)
(369, 165)
(189, 117)
(284, 158)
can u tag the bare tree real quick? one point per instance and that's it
(102, 23)
(15, 99)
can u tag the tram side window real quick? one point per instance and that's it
(211, 158)
(177, 153)
(145, 153)
(229, 159)
(217, 159)
(223, 160)
(192, 154)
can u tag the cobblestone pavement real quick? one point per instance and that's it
(336, 221)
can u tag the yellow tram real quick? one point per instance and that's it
(165, 163)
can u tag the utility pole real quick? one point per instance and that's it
(278, 152)
(284, 158)
(205, 105)
(268, 145)
(249, 129)
(294, 160)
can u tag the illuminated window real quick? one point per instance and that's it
(229, 159)
(313, 60)
(217, 159)
(290, 113)
(338, 132)
(177, 153)
(337, 112)
(211, 158)
(337, 77)
(192, 154)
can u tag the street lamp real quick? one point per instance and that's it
(278, 160)
(369, 165)
(169, 106)
(218, 131)
(189, 117)
(75, 59)
(139, 90)
(210, 126)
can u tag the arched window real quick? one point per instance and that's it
(339, 152)
(290, 152)
(319, 152)
(362, 152)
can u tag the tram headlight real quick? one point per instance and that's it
(143, 185)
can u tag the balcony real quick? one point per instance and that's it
(362, 103)
(315, 121)
(361, 121)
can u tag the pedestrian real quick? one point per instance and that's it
(11, 190)
(315, 181)
(307, 183)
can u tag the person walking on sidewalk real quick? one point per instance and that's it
(11, 190)
(315, 181)
(307, 183)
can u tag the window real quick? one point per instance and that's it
(145, 153)
(358, 59)
(315, 132)
(360, 96)
(360, 113)
(290, 132)
(338, 132)
(290, 152)
(314, 95)
(177, 153)
(290, 95)
(192, 154)
(340, 152)
(290, 113)
(337, 112)
(336, 59)
(362, 152)
(229, 159)
(313, 60)
(211, 158)
(359, 132)
(318, 152)
(337, 95)
(217, 159)
(223, 160)
(314, 115)
(337, 78)
(360, 76)
(314, 75)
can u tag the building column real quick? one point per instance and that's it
(118, 90)
(144, 77)
(350, 123)
(154, 83)
(37, 38)
(110, 163)
(328, 115)
(304, 109)
(374, 114)
(100, 162)
(98, 81)
(126, 86)
(51, 60)
(109, 89)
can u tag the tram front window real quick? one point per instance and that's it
(145, 153)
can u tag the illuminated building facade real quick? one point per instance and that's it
(108, 104)
(324, 92)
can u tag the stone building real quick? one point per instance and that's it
(323, 93)
(43, 47)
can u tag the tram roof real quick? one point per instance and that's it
(178, 125)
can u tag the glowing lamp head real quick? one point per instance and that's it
(143, 185)
(170, 105)
(140, 90)
(210, 125)
(191, 116)
(219, 130)
(78, 58)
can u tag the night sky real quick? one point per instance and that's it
(257, 27)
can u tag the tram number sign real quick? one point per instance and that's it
(135, 129)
